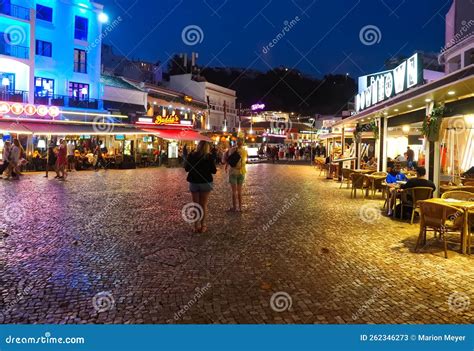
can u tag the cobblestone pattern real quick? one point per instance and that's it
(122, 233)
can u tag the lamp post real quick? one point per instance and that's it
(312, 120)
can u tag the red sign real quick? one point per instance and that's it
(28, 109)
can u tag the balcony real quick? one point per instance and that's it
(18, 51)
(14, 96)
(15, 11)
(67, 101)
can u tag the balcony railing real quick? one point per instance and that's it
(13, 95)
(15, 11)
(67, 101)
(14, 50)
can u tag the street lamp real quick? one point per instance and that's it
(312, 120)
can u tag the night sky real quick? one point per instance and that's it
(324, 40)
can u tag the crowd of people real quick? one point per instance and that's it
(13, 157)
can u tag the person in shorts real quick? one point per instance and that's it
(200, 168)
(237, 175)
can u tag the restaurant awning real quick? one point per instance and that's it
(55, 128)
(178, 134)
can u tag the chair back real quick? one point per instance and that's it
(381, 174)
(437, 215)
(469, 183)
(346, 172)
(458, 195)
(419, 193)
(358, 180)
(469, 189)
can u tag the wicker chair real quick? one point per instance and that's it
(469, 183)
(411, 197)
(376, 184)
(441, 219)
(469, 189)
(346, 176)
(458, 195)
(359, 181)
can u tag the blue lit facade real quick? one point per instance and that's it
(46, 56)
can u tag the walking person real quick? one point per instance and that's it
(15, 155)
(51, 160)
(99, 158)
(236, 163)
(5, 157)
(200, 167)
(61, 162)
(71, 160)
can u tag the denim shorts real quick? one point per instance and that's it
(200, 187)
(236, 179)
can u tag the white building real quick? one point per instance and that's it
(222, 101)
(47, 56)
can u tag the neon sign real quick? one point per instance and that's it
(160, 120)
(257, 107)
(17, 108)
(384, 85)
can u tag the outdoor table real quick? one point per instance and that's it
(446, 188)
(466, 207)
(364, 171)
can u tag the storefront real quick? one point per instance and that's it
(411, 118)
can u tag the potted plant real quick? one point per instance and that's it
(432, 123)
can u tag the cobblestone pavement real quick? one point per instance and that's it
(112, 247)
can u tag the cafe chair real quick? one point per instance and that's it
(359, 181)
(458, 195)
(469, 183)
(346, 177)
(412, 196)
(469, 189)
(441, 219)
(376, 183)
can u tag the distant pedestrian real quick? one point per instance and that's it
(236, 162)
(51, 160)
(71, 160)
(15, 156)
(5, 157)
(98, 158)
(200, 167)
(61, 162)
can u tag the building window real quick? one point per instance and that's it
(80, 28)
(44, 13)
(80, 61)
(44, 87)
(7, 81)
(79, 91)
(44, 48)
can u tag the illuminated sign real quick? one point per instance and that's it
(384, 85)
(160, 120)
(28, 109)
(188, 98)
(257, 107)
